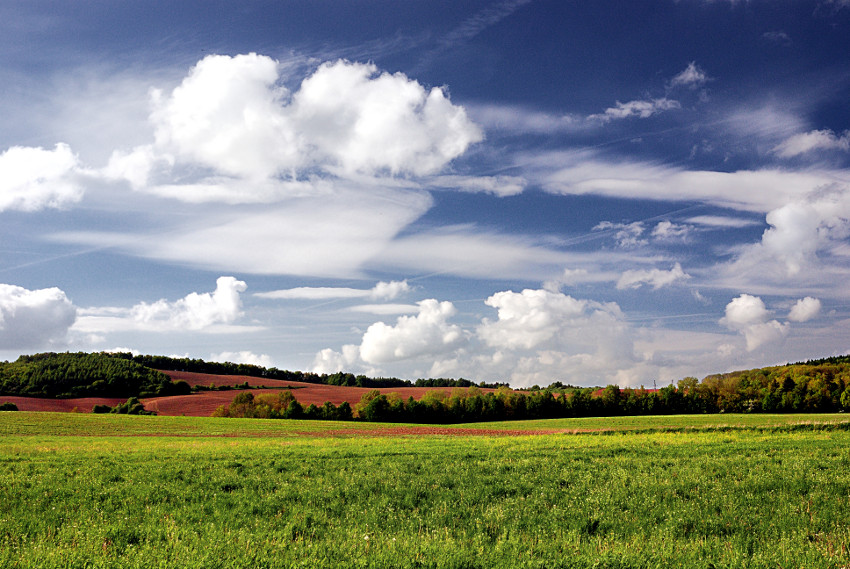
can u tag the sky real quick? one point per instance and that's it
(527, 191)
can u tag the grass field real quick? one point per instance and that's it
(696, 491)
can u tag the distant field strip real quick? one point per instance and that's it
(84, 424)
(705, 491)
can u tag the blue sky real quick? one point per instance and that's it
(588, 192)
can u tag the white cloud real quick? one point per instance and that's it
(799, 231)
(501, 186)
(722, 221)
(529, 318)
(195, 311)
(313, 293)
(744, 311)
(381, 291)
(243, 357)
(35, 178)
(656, 278)
(762, 125)
(366, 122)
(425, 334)
(640, 109)
(385, 309)
(805, 309)
(327, 236)
(230, 132)
(627, 234)
(748, 315)
(330, 361)
(812, 141)
(534, 318)
(747, 190)
(519, 120)
(228, 115)
(669, 231)
(540, 336)
(208, 312)
(389, 290)
(34, 319)
(692, 77)
(470, 251)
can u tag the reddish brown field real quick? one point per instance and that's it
(83, 405)
(202, 404)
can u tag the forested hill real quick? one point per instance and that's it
(251, 370)
(69, 375)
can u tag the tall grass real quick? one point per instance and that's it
(737, 498)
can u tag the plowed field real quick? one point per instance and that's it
(202, 404)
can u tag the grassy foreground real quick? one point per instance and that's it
(117, 491)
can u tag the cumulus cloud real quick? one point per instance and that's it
(427, 333)
(34, 319)
(805, 309)
(748, 315)
(196, 311)
(540, 334)
(813, 141)
(243, 357)
(230, 122)
(331, 361)
(369, 122)
(381, 291)
(227, 115)
(799, 231)
(424, 334)
(532, 318)
(656, 278)
(35, 178)
(640, 108)
(537, 336)
(389, 290)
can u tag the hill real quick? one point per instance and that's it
(74, 375)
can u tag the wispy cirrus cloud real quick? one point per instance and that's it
(381, 291)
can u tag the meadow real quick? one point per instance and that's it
(686, 491)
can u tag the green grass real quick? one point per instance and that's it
(118, 491)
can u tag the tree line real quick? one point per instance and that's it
(792, 389)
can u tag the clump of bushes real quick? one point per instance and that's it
(130, 407)
(8, 406)
(282, 405)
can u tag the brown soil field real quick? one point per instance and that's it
(202, 404)
(83, 405)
